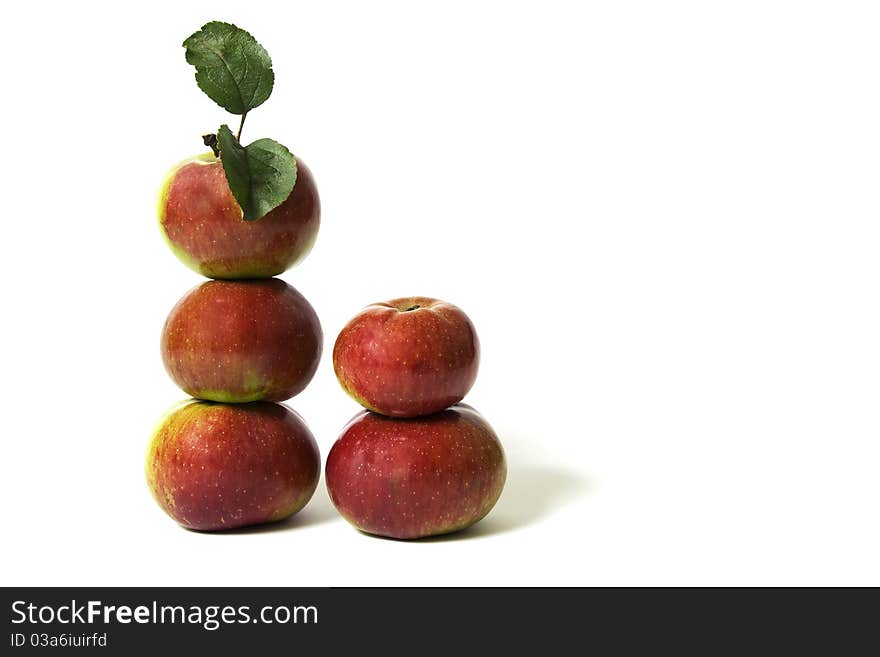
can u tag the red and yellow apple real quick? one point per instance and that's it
(407, 357)
(416, 477)
(241, 341)
(202, 223)
(220, 466)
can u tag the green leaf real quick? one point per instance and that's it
(231, 67)
(261, 175)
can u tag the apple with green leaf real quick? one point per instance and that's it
(203, 223)
(221, 466)
(240, 211)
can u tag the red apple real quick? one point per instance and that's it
(409, 478)
(202, 223)
(219, 466)
(407, 357)
(241, 341)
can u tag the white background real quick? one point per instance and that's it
(661, 217)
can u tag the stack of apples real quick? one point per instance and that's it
(238, 344)
(416, 462)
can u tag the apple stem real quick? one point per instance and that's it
(240, 126)
(211, 140)
(415, 307)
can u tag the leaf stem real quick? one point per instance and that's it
(240, 126)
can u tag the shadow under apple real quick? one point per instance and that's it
(531, 493)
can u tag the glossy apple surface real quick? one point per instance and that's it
(415, 477)
(202, 223)
(241, 341)
(407, 357)
(220, 466)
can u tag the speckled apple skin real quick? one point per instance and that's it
(241, 341)
(416, 477)
(407, 363)
(202, 223)
(220, 466)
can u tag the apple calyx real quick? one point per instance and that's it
(410, 304)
